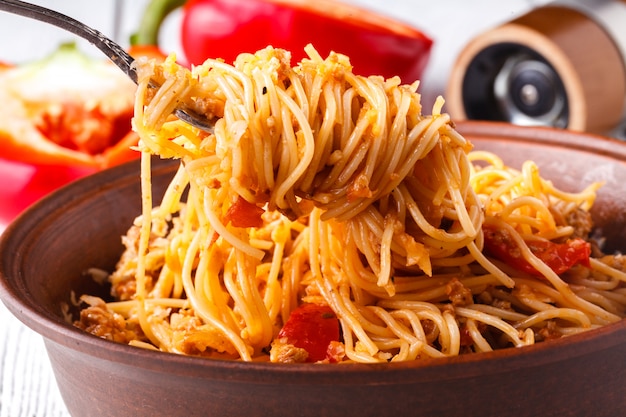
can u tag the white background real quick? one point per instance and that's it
(27, 387)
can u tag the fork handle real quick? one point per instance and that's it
(110, 48)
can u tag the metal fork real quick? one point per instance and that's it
(111, 49)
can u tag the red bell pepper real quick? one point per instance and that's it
(375, 44)
(560, 257)
(67, 109)
(64, 117)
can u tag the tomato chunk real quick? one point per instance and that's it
(312, 327)
(560, 257)
(244, 214)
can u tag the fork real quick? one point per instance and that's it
(111, 49)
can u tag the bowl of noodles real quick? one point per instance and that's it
(326, 249)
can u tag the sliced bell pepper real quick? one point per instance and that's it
(67, 109)
(375, 44)
(63, 117)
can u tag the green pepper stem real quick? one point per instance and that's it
(155, 13)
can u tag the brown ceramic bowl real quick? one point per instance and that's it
(45, 251)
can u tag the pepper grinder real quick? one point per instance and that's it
(561, 65)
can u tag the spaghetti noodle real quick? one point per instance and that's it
(321, 186)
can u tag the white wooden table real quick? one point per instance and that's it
(27, 385)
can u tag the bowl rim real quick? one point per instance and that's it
(60, 332)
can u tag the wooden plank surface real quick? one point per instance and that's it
(27, 387)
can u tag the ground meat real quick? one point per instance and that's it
(283, 352)
(549, 332)
(209, 106)
(458, 294)
(125, 290)
(581, 221)
(192, 337)
(336, 351)
(98, 320)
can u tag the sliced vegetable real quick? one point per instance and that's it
(67, 109)
(560, 257)
(62, 118)
(376, 45)
(312, 327)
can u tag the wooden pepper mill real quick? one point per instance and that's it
(560, 65)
